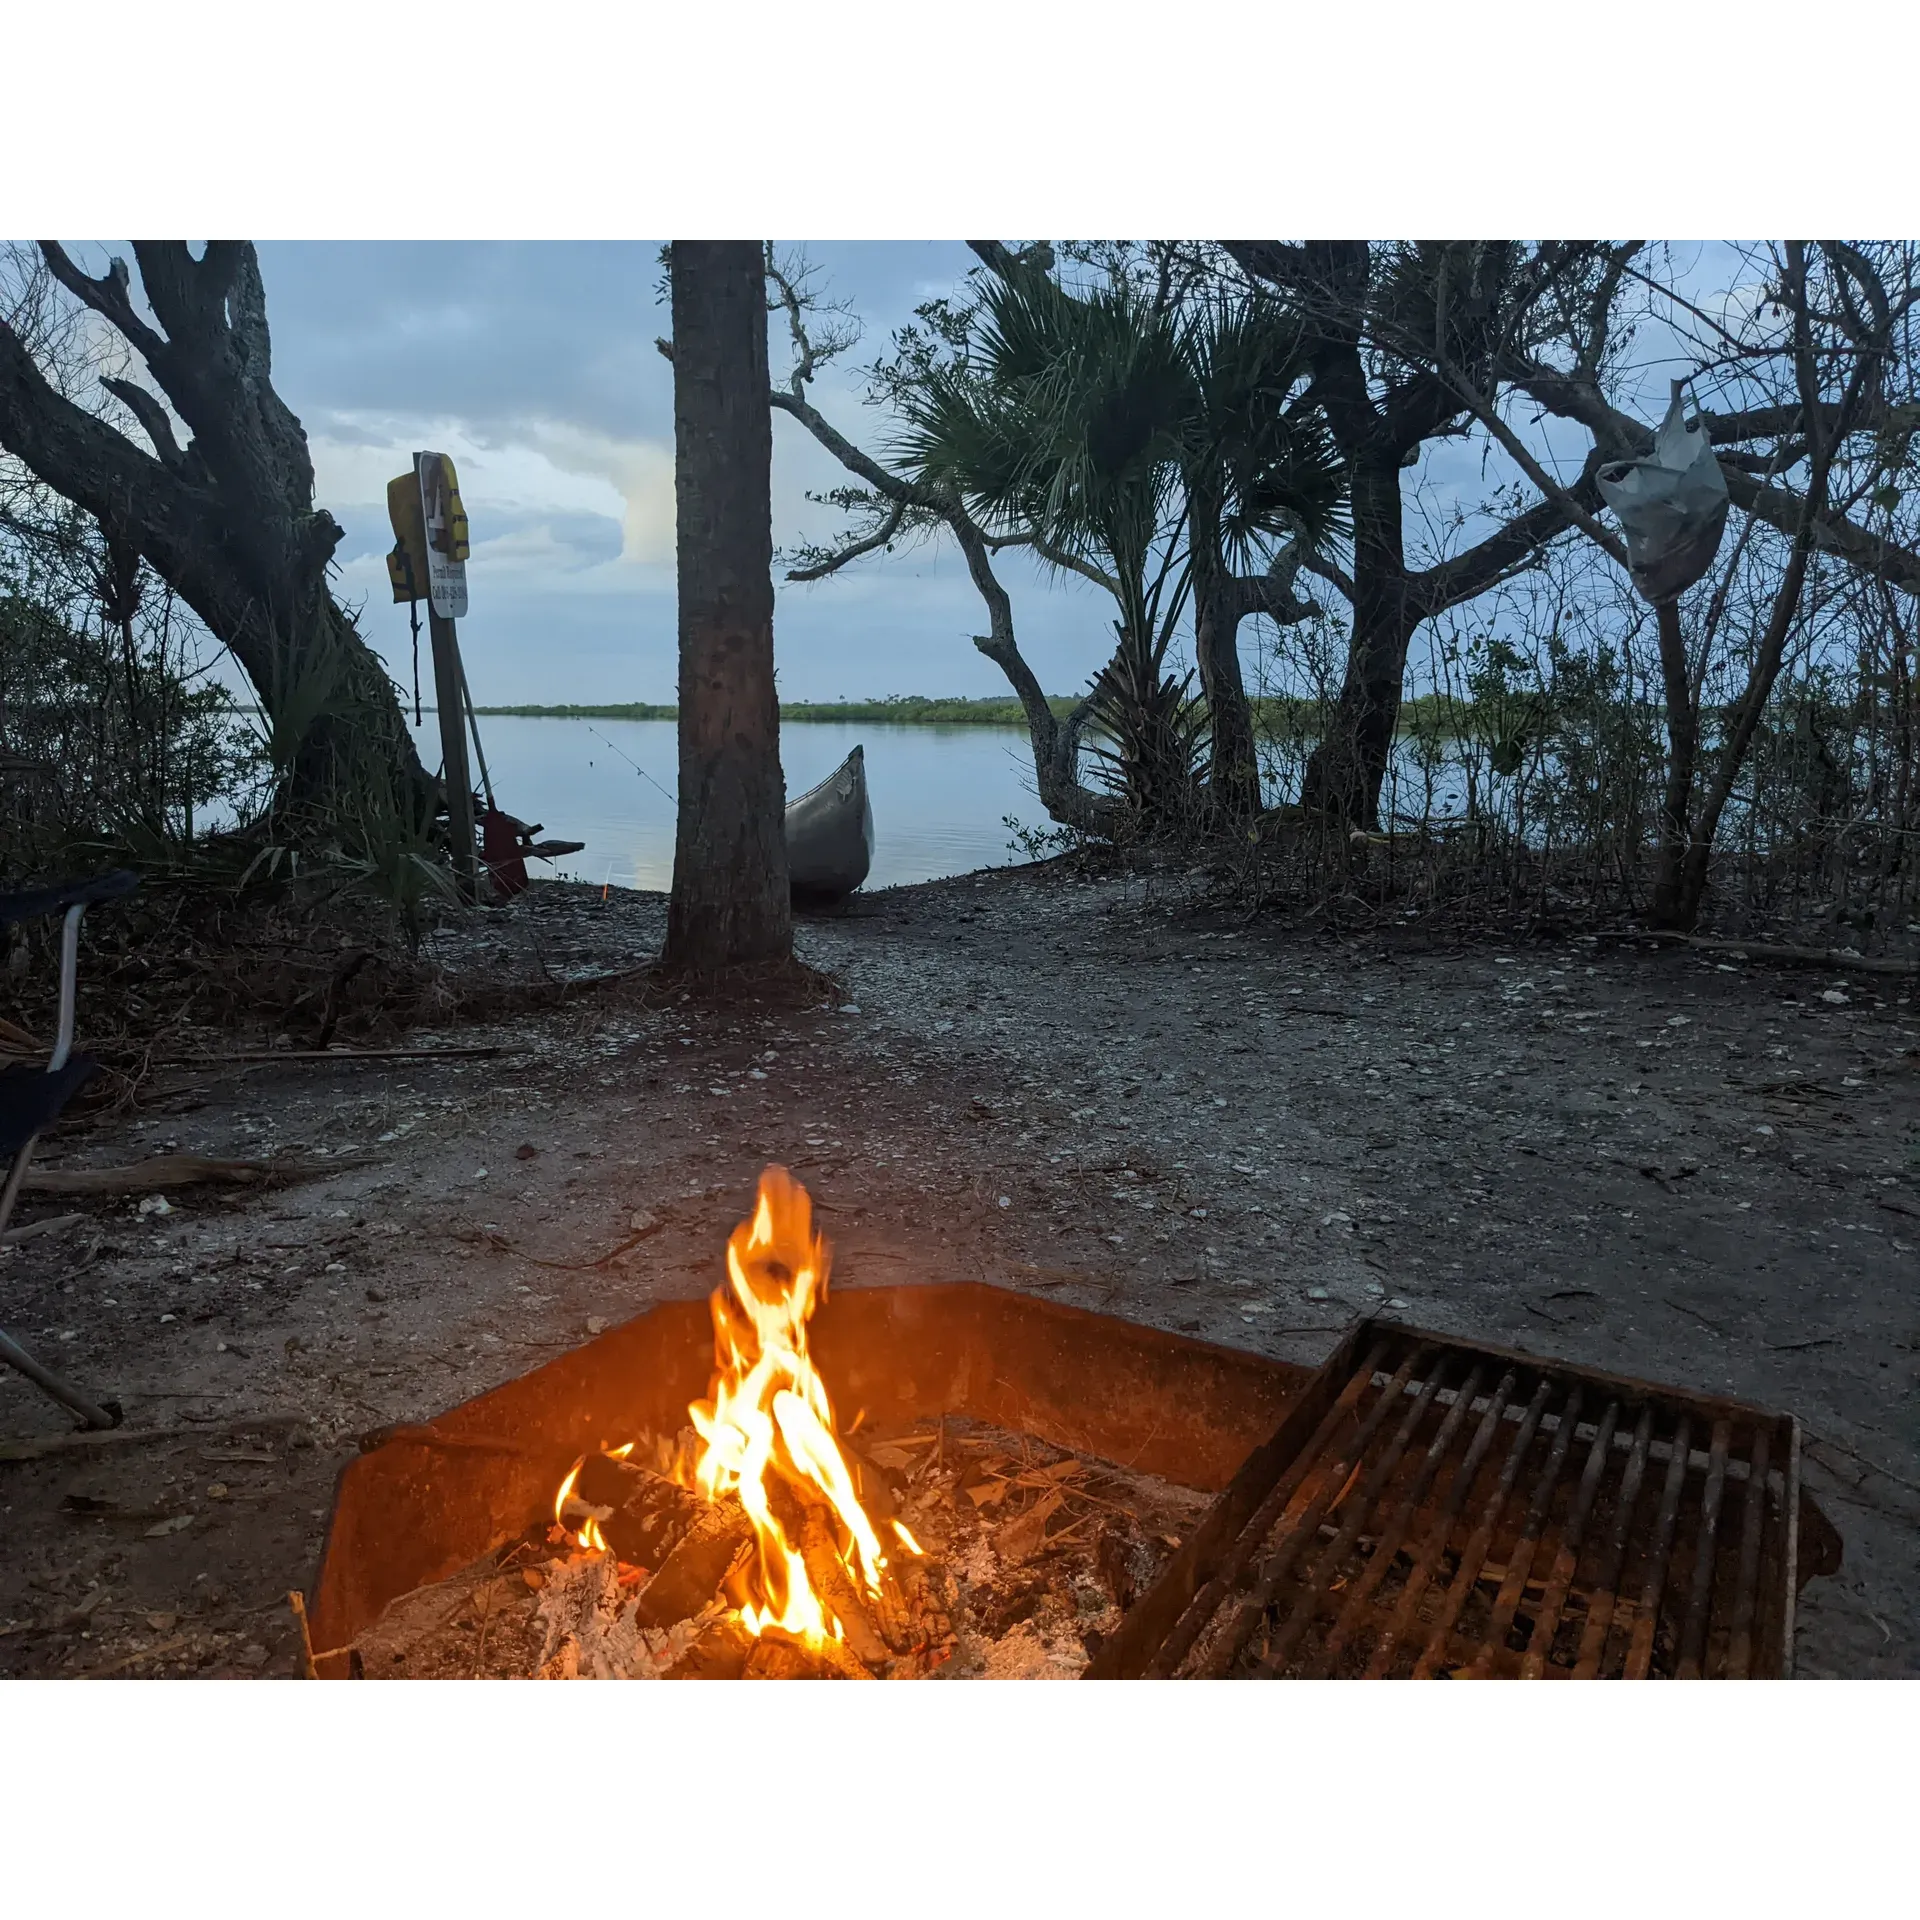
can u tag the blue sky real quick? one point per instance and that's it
(534, 366)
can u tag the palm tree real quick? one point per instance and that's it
(1152, 449)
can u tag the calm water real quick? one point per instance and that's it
(939, 793)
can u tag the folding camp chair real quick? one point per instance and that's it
(31, 1100)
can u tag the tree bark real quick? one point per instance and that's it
(1222, 600)
(228, 521)
(730, 906)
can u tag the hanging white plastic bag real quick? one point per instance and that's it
(1672, 506)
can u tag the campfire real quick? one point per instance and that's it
(813, 1572)
(760, 1539)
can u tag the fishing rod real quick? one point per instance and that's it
(636, 766)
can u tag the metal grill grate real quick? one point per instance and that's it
(1431, 1508)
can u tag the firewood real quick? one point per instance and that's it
(720, 1653)
(691, 1573)
(777, 1656)
(839, 1591)
(642, 1514)
(872, 1483)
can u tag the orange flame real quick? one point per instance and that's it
(588, 1535)
(769, 1415)
(768, 1418)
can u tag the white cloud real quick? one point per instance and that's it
(639, 472)
(533, 467)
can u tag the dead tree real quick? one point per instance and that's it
(228, 520)
(730, 906)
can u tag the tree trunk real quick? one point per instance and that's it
(228, 521)
(1055, 743)
(1346, 771)
(1234, 772)
(730, 906)
(1683, 747)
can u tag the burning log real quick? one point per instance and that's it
(691, 1575)
(641, 1515)
(590, 1628)
(871, 1483)
(838, 1592)
(779, 1656)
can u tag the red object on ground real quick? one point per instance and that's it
(500, 848)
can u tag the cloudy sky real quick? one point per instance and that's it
(534, 367)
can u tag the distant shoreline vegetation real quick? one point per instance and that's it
(1274, 712)
(902, 710)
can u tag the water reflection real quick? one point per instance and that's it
(939, 793)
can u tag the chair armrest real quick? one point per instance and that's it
(41, 901)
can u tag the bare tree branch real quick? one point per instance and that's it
(1484, 565)
(1317, 563)
(1011, 262)
(110, 296)
(1068, 562)
(1761, 423)
(880, 478)
(152, 417)
(1779, 507)
(882, 536)
(1521, 454)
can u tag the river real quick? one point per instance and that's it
(940, 794)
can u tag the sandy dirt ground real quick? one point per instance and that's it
(1675, 1166)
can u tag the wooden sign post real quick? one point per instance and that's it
(455, 772)
(430, 563)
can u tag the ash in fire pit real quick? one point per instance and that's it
(1029, 1558)
(760, 1543)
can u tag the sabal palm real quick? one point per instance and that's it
(1257, 462)
(1135, 439)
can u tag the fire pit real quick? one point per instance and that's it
(1024, 1489)
(698, 1441)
